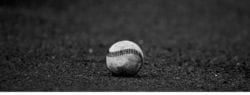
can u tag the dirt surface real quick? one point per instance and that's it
(60, 45)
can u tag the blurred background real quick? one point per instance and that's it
(60, 45)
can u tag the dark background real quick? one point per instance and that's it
(60, 45)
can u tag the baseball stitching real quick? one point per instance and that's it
(123, 52)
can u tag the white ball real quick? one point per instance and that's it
(124, 58)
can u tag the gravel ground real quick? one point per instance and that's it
(60, 45)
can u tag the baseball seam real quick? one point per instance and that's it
(123, 52)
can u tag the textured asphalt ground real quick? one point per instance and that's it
(189, 45)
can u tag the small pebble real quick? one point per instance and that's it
(215, 75)
(90, 50)
(140, 42)
(53, 57)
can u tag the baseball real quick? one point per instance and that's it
(124, 58)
